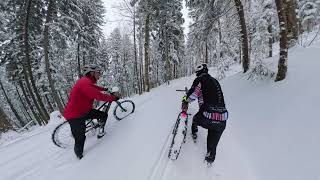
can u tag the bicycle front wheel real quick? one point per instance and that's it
(179, 136)
(123, 109)
(62, 136)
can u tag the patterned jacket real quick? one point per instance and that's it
(208, 91)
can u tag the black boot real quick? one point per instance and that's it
(194, 130)
(210, 157)
(78, 152)
(101, 131)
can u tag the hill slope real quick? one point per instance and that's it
(272, 133)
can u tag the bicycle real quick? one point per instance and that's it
(179, 131)
(62, 136)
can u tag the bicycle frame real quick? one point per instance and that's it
(106, 107)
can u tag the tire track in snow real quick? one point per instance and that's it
(162, 163)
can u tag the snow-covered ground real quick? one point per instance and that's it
(272, 134)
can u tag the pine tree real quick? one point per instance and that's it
(309, 14)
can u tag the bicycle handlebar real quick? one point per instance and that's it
(183, 90)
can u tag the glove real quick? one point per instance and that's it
(185, 100)
(116, 98)
(184, 105)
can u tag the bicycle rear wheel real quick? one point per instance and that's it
(123, 109)
(62, 136)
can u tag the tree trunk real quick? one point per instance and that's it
(292, 22)
(50, 106)
(136, 74)
(78, 60)
(24, 106)
(141, 60)
(146, 54)
(244, 36)
(282, 65)
(46, 55)
(35, 115)
(83, 58)
(167, 59)
(61, 98)
(175, 75)
(16, 114)
(4, 122)
(27, 67)
(206, 59)
(270, 39)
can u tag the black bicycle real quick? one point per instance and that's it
(179, 131)
(62, 136)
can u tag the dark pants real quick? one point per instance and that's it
(78, 128)
(215, 130)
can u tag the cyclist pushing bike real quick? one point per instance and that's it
(80, 106)
(212, 114)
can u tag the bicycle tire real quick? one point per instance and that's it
(174, 154)
(62, 136)
(180, 129)
(118, 111)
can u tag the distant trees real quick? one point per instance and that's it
(41, 43)
(5, 124)
(44, 44)
(160, 30)
(308, 14)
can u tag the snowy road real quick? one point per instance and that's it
(272, 134)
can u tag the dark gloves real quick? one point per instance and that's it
(116, 95)
(116, 98)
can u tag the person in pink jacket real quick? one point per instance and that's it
(80, 106)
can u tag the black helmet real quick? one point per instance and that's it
(201, 68)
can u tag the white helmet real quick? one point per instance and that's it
(90, 68)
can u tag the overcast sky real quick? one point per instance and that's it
(113, 20)
(110, 16)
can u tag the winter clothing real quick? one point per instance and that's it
(201, 68)
(90, 68)
(82, 95)
(210, 97)
(212, 114)
(215, 130)
(78, 128)
(80, 108)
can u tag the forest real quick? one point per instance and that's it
(45, 43)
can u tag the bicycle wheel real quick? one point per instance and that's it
(174, 152)
(62, 136)
(179, 137)
(123, 109)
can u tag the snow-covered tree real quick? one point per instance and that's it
(309, 14)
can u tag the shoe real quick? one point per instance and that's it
(194, 130)
(78, 153)
(80, 156)
(194, 137)
(101, 133)
(210, 157)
